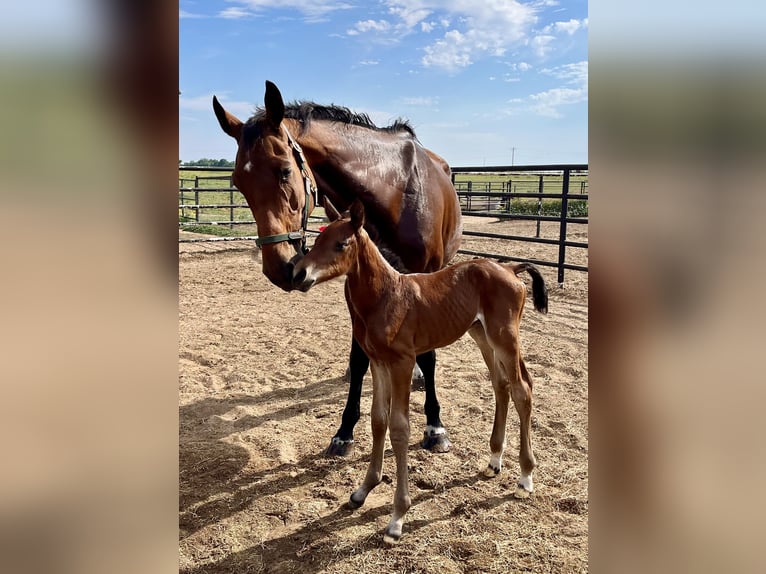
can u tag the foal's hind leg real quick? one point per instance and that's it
(521, 391)
(502, 399)
(435, 436)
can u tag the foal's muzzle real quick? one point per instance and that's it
(301, 282)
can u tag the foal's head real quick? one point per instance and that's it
(334, 251)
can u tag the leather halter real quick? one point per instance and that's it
(311, 194)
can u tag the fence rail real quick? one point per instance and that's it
(502, 197)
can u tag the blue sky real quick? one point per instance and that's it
(482, 82)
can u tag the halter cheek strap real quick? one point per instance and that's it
(311, 195)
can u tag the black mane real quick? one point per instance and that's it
(306, 112)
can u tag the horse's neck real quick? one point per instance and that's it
(332, 159)
(372, 279)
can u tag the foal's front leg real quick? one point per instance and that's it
(379, 417)
(400, 441)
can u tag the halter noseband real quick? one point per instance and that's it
(311, 194)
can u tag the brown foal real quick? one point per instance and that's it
(396, 317)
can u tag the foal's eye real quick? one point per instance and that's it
(341, 245)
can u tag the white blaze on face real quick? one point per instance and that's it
(248, 166)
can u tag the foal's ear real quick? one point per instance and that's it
(329, 209)
(230, 124)
(275, 106)
(357, 214)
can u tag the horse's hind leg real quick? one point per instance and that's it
(521, 391)
(435, 436)
(342, 443)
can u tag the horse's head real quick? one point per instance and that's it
(335, 249)
(272, 174)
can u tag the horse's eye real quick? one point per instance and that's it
(341, 245)
(285, 173)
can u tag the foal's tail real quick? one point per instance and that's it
(539, 290)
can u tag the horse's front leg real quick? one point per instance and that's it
(342, 443)
(435, 436)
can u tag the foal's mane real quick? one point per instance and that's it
(306, 112)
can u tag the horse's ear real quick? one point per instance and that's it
(275, 106)
(357, 214)
(329, 209)
(230, 124)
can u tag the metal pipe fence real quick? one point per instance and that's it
(540, 193)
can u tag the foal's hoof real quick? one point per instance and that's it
(521, 492)
(353, 504)
(391, 539)
(491, 471)
(436, 442)
(340, 447)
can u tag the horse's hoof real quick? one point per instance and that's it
(436, 442)
(491, 471)
(418, 383)
(340, 447)
(521, 492)
(353, 504)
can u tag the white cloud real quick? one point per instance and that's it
(473, 30)
(519, 66)
(568, 27)
(184, 14)
(542, 44)
(411, 13)
(313, 10)
(420, 101)
(575, 73)
(368, 26)
(369, 62)
(234, 13)
(548, 102)
(481, 29)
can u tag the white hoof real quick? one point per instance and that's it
(521, 492)
(490, 472)
(524, 488)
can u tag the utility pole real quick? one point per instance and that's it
(513, 154)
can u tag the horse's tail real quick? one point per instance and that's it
(539, 290)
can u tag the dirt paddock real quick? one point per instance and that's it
(261, 394)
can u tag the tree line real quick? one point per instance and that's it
(207, 162)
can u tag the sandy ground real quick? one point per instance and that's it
(261, 394)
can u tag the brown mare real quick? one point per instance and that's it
(286, 154)
(402, 315)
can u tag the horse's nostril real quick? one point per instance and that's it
(299, 277)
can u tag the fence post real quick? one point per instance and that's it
(196, 197)
(468, 195)
(539, 205)
(563, 227)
